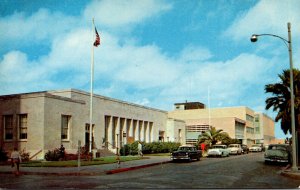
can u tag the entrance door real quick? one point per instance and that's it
(87, 136)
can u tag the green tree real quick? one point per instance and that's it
(212, 136)
(280, 100)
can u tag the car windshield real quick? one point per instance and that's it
(233, 145)
(185, 148)
(256, 145)
(277, 148)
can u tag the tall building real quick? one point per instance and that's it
(239, 122)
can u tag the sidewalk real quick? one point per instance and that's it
(289, 173)
(90, 170)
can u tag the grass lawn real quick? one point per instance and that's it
(159, 154)
(73, 163)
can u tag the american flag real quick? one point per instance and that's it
(97, 41)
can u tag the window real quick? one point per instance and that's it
(8, 127)
(191, 141)
(239, 130)
(197, 128)
(22, 126)
(257, 130)
(65, 125)
(250, 130)
(249, 118)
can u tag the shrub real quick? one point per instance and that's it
(24, 156)
(52, 155)
(148, 148)
(84, 153)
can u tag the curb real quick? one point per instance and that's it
(119, 170)
(288, 173)
(56, 173)
(79, 173)
(294, 175)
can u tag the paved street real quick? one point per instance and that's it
(244, 171)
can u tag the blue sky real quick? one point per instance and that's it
(154, 53)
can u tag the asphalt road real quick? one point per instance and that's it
(242, 171)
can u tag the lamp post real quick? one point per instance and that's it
(288, 43)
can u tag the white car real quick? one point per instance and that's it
(235, 149)
(255, 148)
(218, 150)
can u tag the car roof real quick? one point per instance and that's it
(188, 145)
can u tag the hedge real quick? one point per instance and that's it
(149, 148)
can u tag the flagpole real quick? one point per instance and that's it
(91, 95)
(208, 99)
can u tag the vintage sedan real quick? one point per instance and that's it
(280, 153)
(235, 149)
(218, 150)
(245, 149)
(255, 148)
(186, 152)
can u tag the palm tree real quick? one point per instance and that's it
(212, 136)
(281, 99)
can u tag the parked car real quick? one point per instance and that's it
(245, 149)
(281, 153)
(218, 150)
(235, 149)
(255, 148)
(186, 152)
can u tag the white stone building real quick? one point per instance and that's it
(41, 121)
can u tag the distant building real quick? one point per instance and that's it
(239, 122)
(41, 121)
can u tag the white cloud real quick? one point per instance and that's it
(39, 27)
(228, 81)
(119, 13)
(266, 17)
(193, 54)
(18, 74)
(143, 102)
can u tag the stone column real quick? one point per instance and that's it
(146, 131)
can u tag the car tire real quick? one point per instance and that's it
(267, 162)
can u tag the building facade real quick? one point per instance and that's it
(41, 121)
(239, 122)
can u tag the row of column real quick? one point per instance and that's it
(120, 131)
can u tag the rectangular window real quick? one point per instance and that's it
(249, 118)
(8, 127)
(250, 130)
(239, 130)
(197, 128)
(22, 126)
(65, 126)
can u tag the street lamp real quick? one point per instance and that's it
(288, 43)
